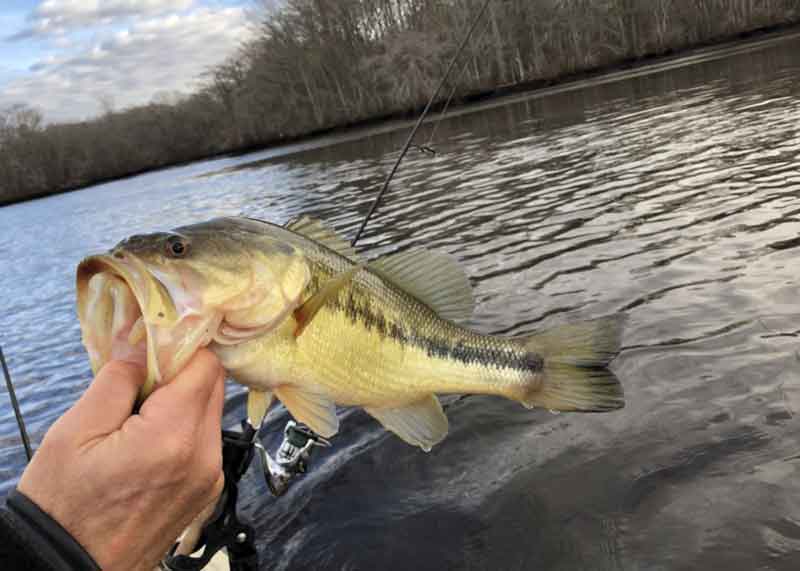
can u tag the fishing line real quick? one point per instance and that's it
(13, 396)
(426, 148)
(417, 125)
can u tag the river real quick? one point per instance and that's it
(672, 196)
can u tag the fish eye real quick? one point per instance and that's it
(177, 246)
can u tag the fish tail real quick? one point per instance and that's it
(571, 367)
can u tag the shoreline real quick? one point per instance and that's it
(500, 95)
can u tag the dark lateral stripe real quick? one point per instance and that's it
(472, 355)
(435, 347)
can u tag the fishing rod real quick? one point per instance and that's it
(15, 404)
(418, 124)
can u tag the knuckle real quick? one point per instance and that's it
(210, 470)
(210, 356)
(59, 438)
(182, 456)
(208, 480)
(209, 362)
(195, 469)
(175, 451)
(217, 486)
(119, 369)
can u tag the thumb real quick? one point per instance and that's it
(107, 403)
(185, 398)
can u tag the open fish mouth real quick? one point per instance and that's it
(127, 313)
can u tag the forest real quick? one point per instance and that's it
(315, 65)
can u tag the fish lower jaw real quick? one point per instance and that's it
(114, 327)
(112, 323)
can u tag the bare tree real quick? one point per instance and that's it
(318, 64)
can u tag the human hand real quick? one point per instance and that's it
(125, 486)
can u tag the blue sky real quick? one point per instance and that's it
(69, 57)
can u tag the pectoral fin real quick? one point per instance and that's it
(422, 423)
(312, 408)
(306, 312)
(257, 406)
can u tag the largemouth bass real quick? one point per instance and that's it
(293, 312)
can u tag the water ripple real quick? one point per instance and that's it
(672, 197)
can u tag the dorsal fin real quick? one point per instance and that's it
(316, 230)
(435, 279)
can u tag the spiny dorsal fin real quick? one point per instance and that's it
(316, 230)
(435, 279)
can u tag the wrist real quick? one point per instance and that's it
(47, 536)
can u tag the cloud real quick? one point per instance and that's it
(152, 55)
(54, 17)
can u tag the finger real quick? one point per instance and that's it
(107, 403)
(191, 535)
(216, 402)
(186, 397)
(209, 434)
(188, 541)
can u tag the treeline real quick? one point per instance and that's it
(317, 64)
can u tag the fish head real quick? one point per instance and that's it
(156, 299)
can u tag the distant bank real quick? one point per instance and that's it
(388, 77)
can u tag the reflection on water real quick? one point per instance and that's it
(672, 197)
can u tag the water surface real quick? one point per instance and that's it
(672, 197)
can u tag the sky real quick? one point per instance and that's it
(73, 58)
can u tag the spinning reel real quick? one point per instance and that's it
(224, 529)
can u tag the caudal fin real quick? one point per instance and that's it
(574, 362)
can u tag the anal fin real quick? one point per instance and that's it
(421, 423)
(311, 408)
